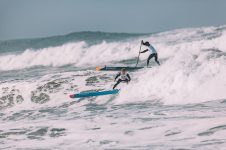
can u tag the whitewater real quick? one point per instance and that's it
(178, 105)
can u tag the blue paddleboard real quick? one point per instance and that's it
(117, 68)
(95, 93)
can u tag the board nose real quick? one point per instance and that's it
(71, 96)
(98, 68)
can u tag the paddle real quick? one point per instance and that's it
(138, 55)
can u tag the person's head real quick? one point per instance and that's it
(147, 43)
(123, 71)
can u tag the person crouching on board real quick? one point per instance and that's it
(152, 50)
(123, 77)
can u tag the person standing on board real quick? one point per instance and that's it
(123, 77)
(152, 50)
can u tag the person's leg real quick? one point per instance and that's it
(117, 83)
(150, 56)
(156, 59)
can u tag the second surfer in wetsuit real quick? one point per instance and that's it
(152, 50)
(123, 77)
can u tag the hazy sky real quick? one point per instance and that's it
(41, 18)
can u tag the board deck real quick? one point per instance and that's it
(94, 93)
(106, 68)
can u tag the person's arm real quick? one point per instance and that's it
(117, 76)
(128, 76)
(144, 51)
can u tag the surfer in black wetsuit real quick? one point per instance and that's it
(123, 77)
(152, 50)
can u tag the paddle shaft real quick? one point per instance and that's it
(138, 55)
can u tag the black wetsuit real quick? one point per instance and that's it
(153, 55)
(123, 78)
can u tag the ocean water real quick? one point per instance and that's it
(178, 105)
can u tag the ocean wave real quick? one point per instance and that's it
(91, 38)
(193, 68)
(78, 54)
